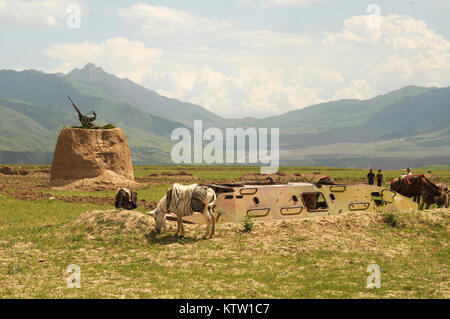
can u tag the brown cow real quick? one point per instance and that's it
(418, 186)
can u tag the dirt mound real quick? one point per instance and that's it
(172, 175)
(8, 170)
(113, 222)
(180, 173)
(38, 174)
(102, 156)
(277, 177)
(312, 178)
(281, 177)
(108, 180)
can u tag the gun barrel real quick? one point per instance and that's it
(76, 109)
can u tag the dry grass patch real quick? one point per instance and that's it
(121, 257)
(109, 222)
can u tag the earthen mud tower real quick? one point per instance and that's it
(91, 153)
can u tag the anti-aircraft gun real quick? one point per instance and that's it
(85, 120)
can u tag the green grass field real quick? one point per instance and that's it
(323, 257)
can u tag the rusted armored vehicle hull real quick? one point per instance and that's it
(300, 200)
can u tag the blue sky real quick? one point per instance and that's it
(238, 58)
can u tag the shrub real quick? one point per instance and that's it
(393, 220)
(12, 270)
(248, 223)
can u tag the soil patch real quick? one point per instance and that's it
(108, 180)
(8, 170)
(281, 177)
(181, 175)
(113, 222)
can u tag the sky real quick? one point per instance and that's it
(237, 58)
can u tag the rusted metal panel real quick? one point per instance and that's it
(301, 200)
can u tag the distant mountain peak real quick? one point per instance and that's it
(91, 67)
(90, 72)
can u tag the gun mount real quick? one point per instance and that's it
(85, 120)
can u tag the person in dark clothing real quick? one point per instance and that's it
(380, 178)
(370, 177)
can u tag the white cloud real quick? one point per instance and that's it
(165, 93)
(357, 89)
(162, 20)
(237, 72)
(47, 13)
(284, 3)
(125, 58)
(179, 27)
(403, 51)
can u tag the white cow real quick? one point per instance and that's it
(179, 200)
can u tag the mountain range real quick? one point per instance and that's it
(407, 127)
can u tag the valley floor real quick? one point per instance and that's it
(322, 257)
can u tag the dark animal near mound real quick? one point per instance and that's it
(126, 199)
(7, 170)
(418, 186)
(327, 180)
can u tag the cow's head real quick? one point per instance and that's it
(160, 219)
(443, 199)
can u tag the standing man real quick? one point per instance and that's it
(408, 171)
(380, 178)
(370, 177)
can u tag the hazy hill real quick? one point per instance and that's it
(407, 127)
(409, 112)
(126, 91)
(36, 107)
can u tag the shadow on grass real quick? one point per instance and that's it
(166, 239)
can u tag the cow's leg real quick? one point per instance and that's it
(421, 203)
(213, 227)
(179, 225)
